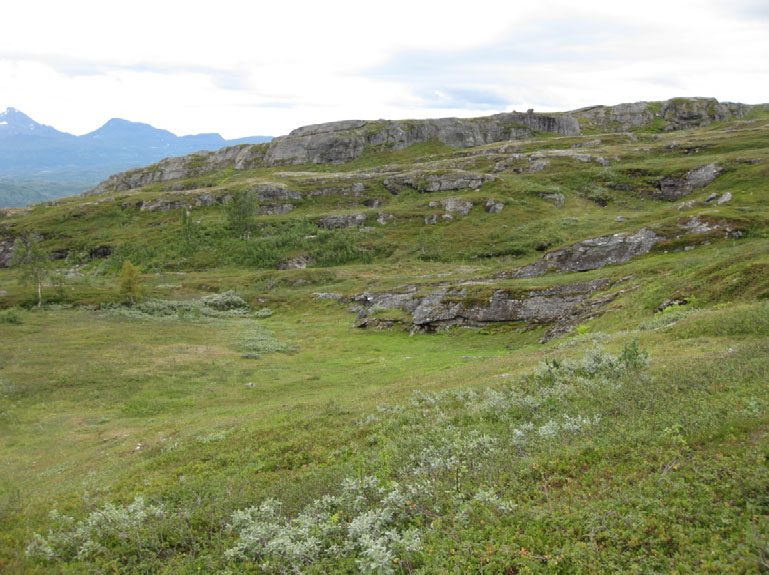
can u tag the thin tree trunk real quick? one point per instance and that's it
(39, 293)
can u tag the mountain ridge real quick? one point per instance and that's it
(346, 140)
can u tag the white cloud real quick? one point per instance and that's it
(245, 68)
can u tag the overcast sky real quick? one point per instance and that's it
(245, 68)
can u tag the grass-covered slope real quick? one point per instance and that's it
(196, 431)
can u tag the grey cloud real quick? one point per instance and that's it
(556, 42)
(74, 68)
(459, 98)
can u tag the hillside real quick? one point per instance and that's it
(39, 163)
(520, 343)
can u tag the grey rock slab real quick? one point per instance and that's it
(591, 254)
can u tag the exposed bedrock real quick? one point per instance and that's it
(449, 306)
(672, 189)
(338, 142)
(426, 182)
(591, 254)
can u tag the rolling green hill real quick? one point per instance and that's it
(515, 344)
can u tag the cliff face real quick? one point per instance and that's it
(344, 141)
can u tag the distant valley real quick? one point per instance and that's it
(39, 163)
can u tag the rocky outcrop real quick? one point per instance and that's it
(591, 254)
(339, 142)
(427, 182)
(241, 157)
(435, 218)
(671, 189)
(275, 209)
(274, 192)
(345, 141)
(342, 221)
(298, 262)
(675, 114)
(540, 157)
(456, 305)
(6, 252)
(355, 190)
(454, 206)
(178, 202)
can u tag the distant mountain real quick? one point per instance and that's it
(38, 162)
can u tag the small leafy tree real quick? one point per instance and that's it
(130, 282)
(241, 213)
(33, 261)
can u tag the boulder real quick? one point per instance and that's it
(100, 252)
(727, 197)
(493, 207)
(454, 206)
(557, 198)
(672, 189)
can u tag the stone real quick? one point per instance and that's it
(591, 254)
(452, 305)
(298, 262)
(272, 192)
(727, 197)
(162, 205)
(557, 198)
(426, 182)
(100, 252)
(696, 226)
(580, 157)
(671, 189)
(275, 209)
(240, 157)
(454, 206)
(435, 218)
(675, 114)
(328, 296)
(384, 219)
(339, 142)
(6, 252)
(538, 166)
(493, 207)
(342, 221)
